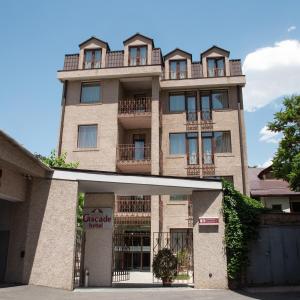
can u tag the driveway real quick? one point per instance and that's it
(43, 293)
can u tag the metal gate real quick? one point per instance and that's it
(275, 256)
(180, 242)
(79, 257)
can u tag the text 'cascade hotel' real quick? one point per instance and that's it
(136, 111)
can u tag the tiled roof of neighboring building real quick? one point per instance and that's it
(267, 187)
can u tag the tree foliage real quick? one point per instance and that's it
(286, 162)
(241, 222)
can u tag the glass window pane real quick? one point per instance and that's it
(90, 93)
(97, 59)
(193, 151)
(219, 100)
(88, 59)
(178, 197)
(182, 69)
(177, 143)
(133, 56)
(222, 141)
(177, 103)
(143, 55)
(207, 150)
(220, 67)
(173, 69)
(87, 136)
(211, 67)
(205, 108)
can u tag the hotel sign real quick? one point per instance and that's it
(97, 218)
(208, 221)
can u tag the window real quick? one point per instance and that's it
(177, 143)
(177, 103)
(211, 100)
(90, 93)
(295, 206)
(192, 148)
(92, 59)
(215, 142)
(138, 56)
(277, 207)
(215, 67)
(179, 197)
(178, 69)
(87, 136)
(222, 141)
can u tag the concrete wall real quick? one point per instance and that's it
(284, 201)
(210, 270)
(98, 245)
(50, 238)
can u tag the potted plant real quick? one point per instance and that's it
(165, 266)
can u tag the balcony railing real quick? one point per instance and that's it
(135, 106)
(132, 153)
(133, 204)
(216, 72)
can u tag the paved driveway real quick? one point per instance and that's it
(43, 293)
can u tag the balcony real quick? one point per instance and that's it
(135, 113)
(129, 206)
(131, 158)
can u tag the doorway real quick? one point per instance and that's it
(4, 241)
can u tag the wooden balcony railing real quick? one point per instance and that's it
(135, 106)
(132, 204)
(131, 153)
(216, 72)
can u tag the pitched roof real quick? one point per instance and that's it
(94, 38)
(177, 49)
(214, 47)
(141, 35)
(267, 187)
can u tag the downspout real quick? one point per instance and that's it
(240, 105)
(62, 119)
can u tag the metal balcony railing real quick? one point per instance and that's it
(133, 204)
(216, 72)
(132, 153)
(135, 106)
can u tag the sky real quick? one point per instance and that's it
(35, 35)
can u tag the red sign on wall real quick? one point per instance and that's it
(208, 221)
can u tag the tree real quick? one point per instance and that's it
(286, 162)
(53, 160)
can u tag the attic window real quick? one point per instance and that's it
(216, 67)
(178, 69)
(92, 59)
(138, 56)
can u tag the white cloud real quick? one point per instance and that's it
(266, 163)
(271, 72)
(269, 136)
(291, 28)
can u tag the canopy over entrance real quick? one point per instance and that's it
(134, 184)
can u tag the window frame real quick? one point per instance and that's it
(187, 138)
(93, 58)
(215, 58)
(87, 148)
(177, 68)
(138, 56)
(91, 83)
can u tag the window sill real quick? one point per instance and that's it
(177, 202)
(86, 150)
(175, 156)
(224, 154)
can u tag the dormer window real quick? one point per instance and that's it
(215, 67)
(138, 56)
(178, 69)
(92, 59)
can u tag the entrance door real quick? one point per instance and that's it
(4, 240)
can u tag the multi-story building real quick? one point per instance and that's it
(137, 111)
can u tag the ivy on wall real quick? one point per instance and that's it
(241, 214)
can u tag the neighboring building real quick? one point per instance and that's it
(273, 193)
(136, 111)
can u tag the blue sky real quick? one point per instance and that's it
(35, 35)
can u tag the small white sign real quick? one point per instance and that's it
(97, 218)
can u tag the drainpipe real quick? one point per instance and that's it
(240, 106)
(62, 118)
